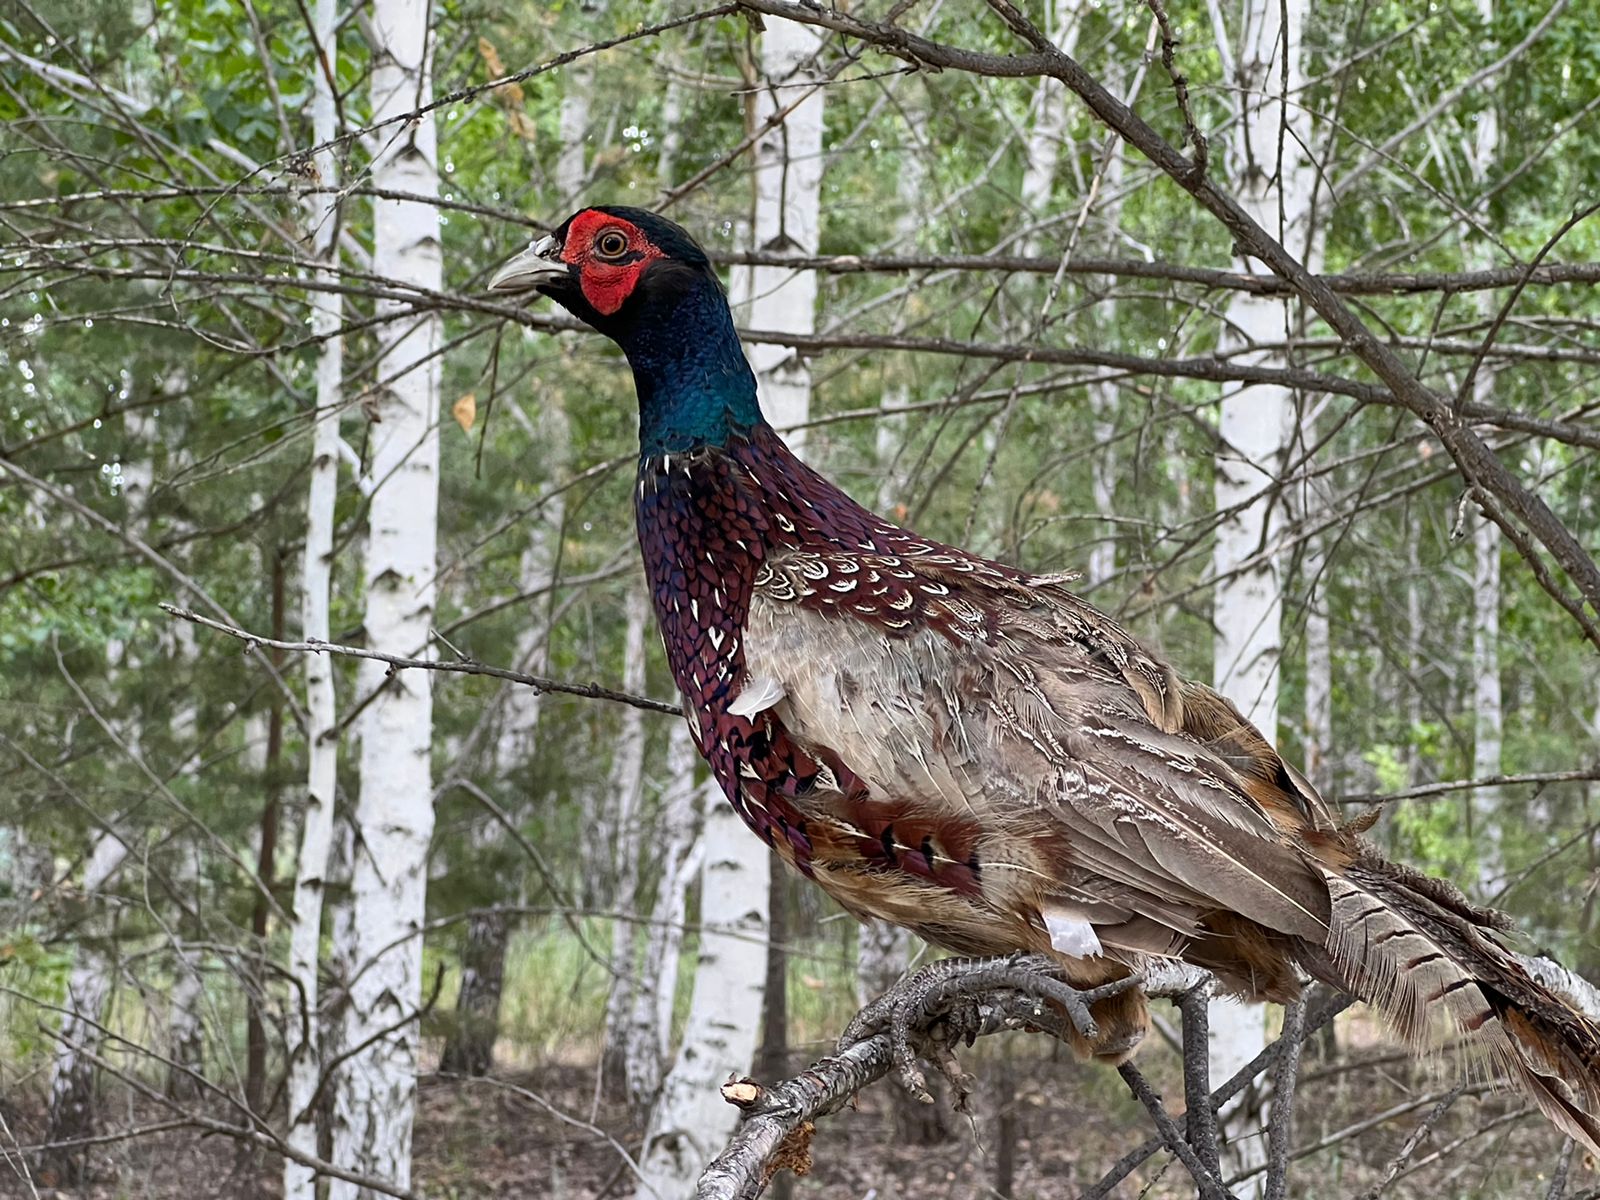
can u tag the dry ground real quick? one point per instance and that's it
(1069, 1121)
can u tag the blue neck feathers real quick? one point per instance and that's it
(695, 387)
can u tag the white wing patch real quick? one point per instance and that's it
(760, 693)
(1070, 933)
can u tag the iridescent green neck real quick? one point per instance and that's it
(695, 387)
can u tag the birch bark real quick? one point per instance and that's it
(650, 1018)
(1487, 710)
(376, 1099)
(691, 1121)
(72, 1107)
(1275, 182)
(302, 1040)
(623, 789)
(788, 182)
(469, 1049)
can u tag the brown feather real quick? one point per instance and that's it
(1020, 755)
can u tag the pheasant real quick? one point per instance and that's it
(973, 752)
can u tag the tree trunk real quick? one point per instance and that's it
(470, 1048)
(573, 132)
(691, 1121)
(1274, 181)
(72, 1114)
(772, 1055)
(1487, 715)
(772, 1062)
(394, 813)
(1486, 707)
(185, 1017)
(788, 183)
(1047, 126)
(650, 1024)
(1318, 736)
(302, 1044)
(623, 792)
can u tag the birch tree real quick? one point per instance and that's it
(1487, 713)
(394, 813)
(72, 1072)
(788, 212)
(305, 1060)
(691, 1120)
(623, 792)
(650, 1019)
(1274, 181)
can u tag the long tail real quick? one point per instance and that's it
(1430, 961)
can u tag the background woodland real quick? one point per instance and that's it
(287, 923)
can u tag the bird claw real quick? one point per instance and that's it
(942, 1005)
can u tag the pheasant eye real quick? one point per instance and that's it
(611, 244)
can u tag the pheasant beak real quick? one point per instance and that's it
(539, 263)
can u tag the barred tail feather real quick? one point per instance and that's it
(1416, 949)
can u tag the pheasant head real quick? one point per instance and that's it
(641, 280)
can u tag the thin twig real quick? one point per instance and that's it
(591, 691)
(1409, 1147)
(1208, 1183)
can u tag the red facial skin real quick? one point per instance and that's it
(607, 281)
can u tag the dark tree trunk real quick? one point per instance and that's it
(1005, 1102)
(772, 1059)
(469, 1050)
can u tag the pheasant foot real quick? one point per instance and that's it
(951, 1001)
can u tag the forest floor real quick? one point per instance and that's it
(544, 1135)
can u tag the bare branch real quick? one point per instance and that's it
(397, 663)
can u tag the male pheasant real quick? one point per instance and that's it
(973, 752)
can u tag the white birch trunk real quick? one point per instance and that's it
(1103, 397)
(650, 1019)
(1487, 711)
(376, 1098)
(691, 1121)
(623, 791)
(1048, 124)
(671, 140)
(72, 1114)
(303, 1044)
(1486, 703)
(469, 1049)
(72, 1071)
(788, 181)
(572, 123)
(1255, 428)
